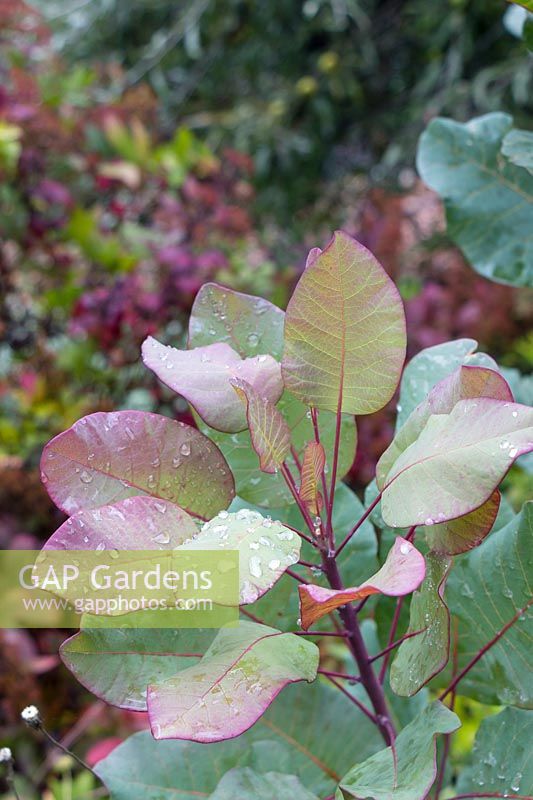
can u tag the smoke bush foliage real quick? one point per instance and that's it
(417, 595)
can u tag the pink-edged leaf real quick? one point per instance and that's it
(344, 331)
(203, 376)
(269, 433)
(313, 465)
(135, 523)
(462, 534)
(402, 572)
(463, 383)
(106, 457)
(423, 656)
(225, 693)
(456, 462)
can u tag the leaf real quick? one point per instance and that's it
(517, 145)
(463, 383)
(106, 457)
(266, 548)
(270, 491)
(422, 657)
(203, 376)
(118, 664)
(250, 325)
(245, 784)
(313, 465)
(269, 433)
(489, 589)
(136, 523)
(462, 534)
(344, 331)
(457, 462)
(502, 764)
(401, 573)
(313, 742)
(234, 683)
(430, 366)
(488, 199)
(377, 778)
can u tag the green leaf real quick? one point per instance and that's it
(245, 784)
(270, 491)
(313, 742)
(518, 147)
(489, 200)
(379, 778)
(489, 589)
(107, 457)
(251, 325)
(233, 684)
(501, 762)
(462, 534)
(269, 433)
(344, 331)
(118, 665)
(423, 656)
(266, 548)
(457, 462)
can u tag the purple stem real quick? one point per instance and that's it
(392, 634)
(354, 700)
(396, 644)
(358, 524)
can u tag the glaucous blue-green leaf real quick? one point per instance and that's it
(118, 664)
(344, 331)
(225, 693)
(501, 764)
(245, 784)
(421, 657)
(517, 146)
(457, 462)
(107, 457)
(266, 548)
(270, 491)
(411, 774)
(250, 325)
(314, 742)
(489, 592)
(488, 199)
(430, 366)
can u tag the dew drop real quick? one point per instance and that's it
(253, 339)
(185, 449)
(404, 549)
(274, 564)
(86, 477)
(255, 567)
(223, 514)
(162, 538)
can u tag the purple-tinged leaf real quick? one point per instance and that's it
(457, 462)
(106, 457)
(203, 376)
(232, 686)
(269, 433)
(250, 325)
(409, 773)
(313, 465)
(402, 572)
(421, 657)
(459, 535)
(344, 331)
(266, 548)
(135, 523)
(464, 383)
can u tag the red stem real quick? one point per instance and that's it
(314, 418)
(294, 454)
(396, 644)
(483, 650)
(334, 467)
(357, 525)
(329, 674)
(296, 576)
(392, 634)
(294, 491)
(359, 705)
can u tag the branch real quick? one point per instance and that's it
(289, 480)
(396, 644)
(354, 700)
(358, 524)
(331, 674)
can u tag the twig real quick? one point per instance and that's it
(358, 524)
(296, 576)
(331, 674)
(392, 634)
(339, 635)
(396, 644)
(354, 700)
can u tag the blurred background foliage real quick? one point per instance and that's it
(147, 146)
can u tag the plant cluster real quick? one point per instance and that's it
(423, 589)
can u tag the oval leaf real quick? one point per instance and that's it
(232, 686)
(402, 572)
(246, 784)
(457, 462)
(462, 534)
(106, 457)
(203, 376)
(270, 434)
(266, 548)
(344, 331)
